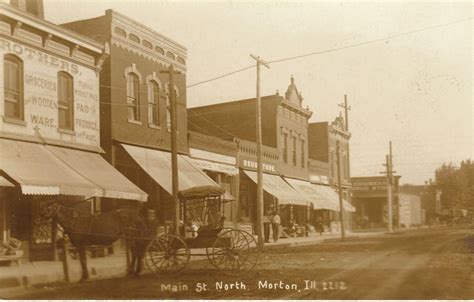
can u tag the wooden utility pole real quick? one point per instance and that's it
(341, 203)
(259, 157)
(389, 172)
(346, 114)
(346, 109)
(174, 148)
(389, 196)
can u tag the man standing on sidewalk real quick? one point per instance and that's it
(267, 221)
(276, 226)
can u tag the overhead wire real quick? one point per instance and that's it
(390, 37)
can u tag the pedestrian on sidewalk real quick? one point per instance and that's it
(319, 225)
(276, 226)
(267, 221)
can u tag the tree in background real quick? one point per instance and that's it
(457, 186)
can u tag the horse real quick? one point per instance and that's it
(104, 229)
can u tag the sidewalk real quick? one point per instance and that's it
(316, 239)
(16, 278)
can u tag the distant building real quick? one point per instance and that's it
(410, 211)
(323, 138)
(285, 154)
(369, 196)
(285, 151)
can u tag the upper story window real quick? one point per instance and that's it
(303, 159)
(119, 31)
(285, 148)
(133, 100)
(134, 38)
(294, 151)
(153, 103)
(65, 101)
(13, 87)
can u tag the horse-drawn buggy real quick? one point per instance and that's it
(202, 231)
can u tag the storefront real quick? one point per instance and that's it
(291, 205)
(41, 174)
(50, 130)
(325, 201)
(156, 164)
(222, 169)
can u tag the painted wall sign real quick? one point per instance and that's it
(40, 95)
(253, 164)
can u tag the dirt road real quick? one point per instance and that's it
(422, 264)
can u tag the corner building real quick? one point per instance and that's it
(50, 128)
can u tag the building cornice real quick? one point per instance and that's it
(200, 138)
(152, 34)
(51, 28)
(146, 53)
(337, 131)
(286, 103)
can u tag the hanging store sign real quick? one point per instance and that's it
(216, 167)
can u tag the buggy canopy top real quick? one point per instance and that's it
(201, 192)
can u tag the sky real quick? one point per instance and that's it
(414, 86)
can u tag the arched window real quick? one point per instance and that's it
(13, 87)
(153, 103)
(65, 101)
(133, 100)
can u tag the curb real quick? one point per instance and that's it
(14, 285)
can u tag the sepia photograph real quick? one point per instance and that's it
(236, 150)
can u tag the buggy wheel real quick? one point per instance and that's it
(234, 250)
(167, 254)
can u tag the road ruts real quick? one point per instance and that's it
(384, 285)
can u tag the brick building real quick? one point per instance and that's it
(323, 139)
(285, 153)
(49, 127)
(135, 107)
